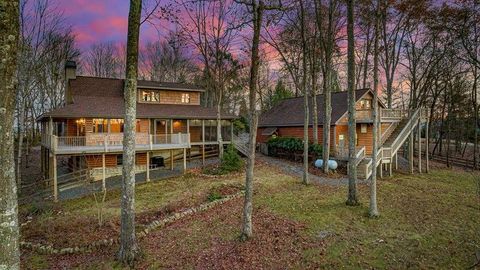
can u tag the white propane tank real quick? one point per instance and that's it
(332, 164)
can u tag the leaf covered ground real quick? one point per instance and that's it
(427, 221)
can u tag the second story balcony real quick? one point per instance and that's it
(113, 142)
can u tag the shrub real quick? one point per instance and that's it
(292, 145)
(231, 161)
(214, 195)
(316, 149)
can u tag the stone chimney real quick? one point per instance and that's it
(70, 74)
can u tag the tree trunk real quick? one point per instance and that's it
(128, 244)
(21, 135)
(373, 212)
(352, 168)
(327, 117)
(247, 227)
(305, 95)
(9, 233)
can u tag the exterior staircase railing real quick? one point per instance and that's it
(385, 154)
(240, 144)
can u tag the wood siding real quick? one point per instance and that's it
(364, 139)
(95, 161)
(172, 97)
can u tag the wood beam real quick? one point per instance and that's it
(104, 187)
(419, 135)
(410, 152)
(148, 167)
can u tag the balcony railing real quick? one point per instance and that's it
(111, 142)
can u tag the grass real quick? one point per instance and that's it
(426, 221)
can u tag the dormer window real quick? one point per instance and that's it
(150, 96)
(185, 98)
(365, 104)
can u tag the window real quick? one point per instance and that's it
(150, 96)
(100, 125)
(116, 125)
(185, 98)
(365, 104)
(119, 160)
(363, 128)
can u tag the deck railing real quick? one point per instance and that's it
(113, 141)
(393, 114)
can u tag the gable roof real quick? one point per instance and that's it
(290, 112)
(95, 97)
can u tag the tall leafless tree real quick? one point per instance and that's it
(352, 166)
(104, 60)
(9, 232)
(373, 212)
(128, 243)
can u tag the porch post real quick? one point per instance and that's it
(410, 151)
(103, 172)
(419, 134)
(396, 161)
(427, 154)
(148, 167)
(184, 160)
(381, 169)
(171, 160)
(54, 176)
(231, 132)
(203, 142)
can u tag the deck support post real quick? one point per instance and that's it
(53, 168)
(419, 135)
(171, 160)
(184, 160)
(381, 169)
(203, 142)
(410, 152)
(427, 154)
(104, 187)
(147, 177)
(390, 168)
(396, 161)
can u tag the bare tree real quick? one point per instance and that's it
(352, 168)
(9, 232)
(306, 123)
(128, 244)
(167, 60)
(373, 212)
(104, 60)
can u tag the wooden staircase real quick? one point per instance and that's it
(391, 140)
(241, 143)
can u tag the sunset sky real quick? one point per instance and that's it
(105, 20)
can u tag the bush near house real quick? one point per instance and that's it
(231, 162)
(291, 147)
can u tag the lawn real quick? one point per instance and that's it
(427, 221)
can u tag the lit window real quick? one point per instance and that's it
(100, 125)
(185, 98)
(363, 128)
(150, 96)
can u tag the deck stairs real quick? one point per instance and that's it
(391, 141)
(240, 142)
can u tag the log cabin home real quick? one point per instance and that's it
(88, 131)
(286, 119)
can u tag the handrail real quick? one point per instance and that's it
(393, 113)
(359, 155)
(388, 132)
(408, 127)
(116, 139)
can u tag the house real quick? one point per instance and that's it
(88, 130)
(286, 119)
